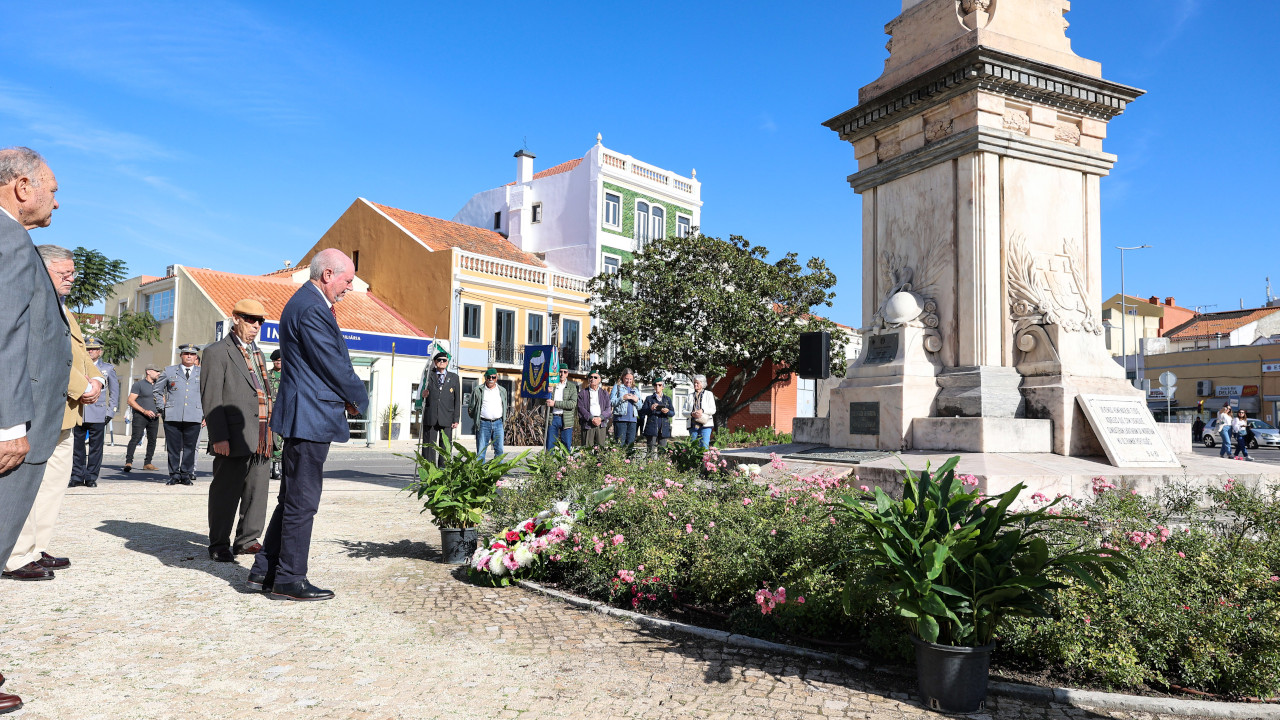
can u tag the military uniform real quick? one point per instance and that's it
(178, 393)
(277, 446)
(87, 462)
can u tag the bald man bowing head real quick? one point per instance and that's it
(316, 396)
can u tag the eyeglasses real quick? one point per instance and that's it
(68, 275)
(442, 360)
(251, 319)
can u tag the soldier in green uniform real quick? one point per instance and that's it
(273, 378)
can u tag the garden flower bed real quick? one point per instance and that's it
(757, 551)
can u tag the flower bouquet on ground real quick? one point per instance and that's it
(516, 552)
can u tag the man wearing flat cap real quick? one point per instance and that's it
(441, 404)
(178, 394)
(142, 401)
(237, 395)
(87, 442)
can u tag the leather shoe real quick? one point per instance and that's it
(73, 483)
(30, 571)
(127, 467)
(186, 481)
(221, 554)
(48, 561)
(1, 679)
(149, 466)
(300, 590)
(172, 481)
(91, 483)
(252, 548)
(9, 703)
(260, 583)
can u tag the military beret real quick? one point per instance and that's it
(440, 355)
(491, 372)
(275, 355)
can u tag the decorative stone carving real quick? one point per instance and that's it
(888, 149)
(937, 129)
(975, 14)
(1047, 288)
(1017, 121)
(1067, 132)
(968, 6)
(908, 299)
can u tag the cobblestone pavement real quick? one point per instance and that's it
(143, 625)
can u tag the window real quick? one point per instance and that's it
(650, 223)
(537, 212)
(159, 304)
(611, 265)
(497, 220)
(570, 334)
(683, 226)
(612, 210)
(535, 329)
(504, 336)
(355, 260)
(470, 320)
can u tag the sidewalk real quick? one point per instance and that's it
(143, 625)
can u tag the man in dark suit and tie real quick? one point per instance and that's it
(441, 404)
(236, 395)
(309, 414)
(35, 347)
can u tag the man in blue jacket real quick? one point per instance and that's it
(315, 396)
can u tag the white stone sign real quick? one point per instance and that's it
(1127, 432)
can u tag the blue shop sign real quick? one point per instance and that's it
(356, 340)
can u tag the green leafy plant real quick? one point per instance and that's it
(957, 563)
(391, 413)
(741, 437)
(462, 488)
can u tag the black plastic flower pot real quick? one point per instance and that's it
(952, 679)
(457, 545)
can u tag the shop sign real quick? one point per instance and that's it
(1157, 394)
(1271, 367)
(1229, 391)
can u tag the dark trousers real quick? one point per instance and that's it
(624, 432)
(653, 441)
(141, 424)
(288, 540)
(180, 441)
(86, 453)
(238, 482)
(430, 436)
(558, 433)
(594, 435)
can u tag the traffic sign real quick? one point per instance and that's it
(1168, 379)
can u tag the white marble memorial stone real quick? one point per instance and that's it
(1128, 433)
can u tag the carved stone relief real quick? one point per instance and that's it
(975, 14)
(908, 297)
(935, 130)
(1017, 120)
(1047, 288)
(888, 149)
(1067, 132)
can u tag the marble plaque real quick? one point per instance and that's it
(881, 349)
(864, 418)
(1128, 433)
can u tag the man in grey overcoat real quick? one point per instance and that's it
(178, 393)
(35, 347)
(236, 394)
(87, 445)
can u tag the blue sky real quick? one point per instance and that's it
(231, 135)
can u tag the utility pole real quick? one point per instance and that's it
(1124, 315)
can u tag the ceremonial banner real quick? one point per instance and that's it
(539, 362)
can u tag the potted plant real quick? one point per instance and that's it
(390, 422)
(457, 493)
(956, 563)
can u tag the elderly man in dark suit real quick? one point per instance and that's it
(235, 392)
(309, 414)
(35, 347)
(441, 404)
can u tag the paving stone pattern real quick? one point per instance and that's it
(143, 625)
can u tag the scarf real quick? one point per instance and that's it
(257, 369)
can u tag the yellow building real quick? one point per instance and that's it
(1245, 376)
(467, 285)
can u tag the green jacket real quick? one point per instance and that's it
(569, 405)
(473, 406)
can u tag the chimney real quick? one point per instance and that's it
(524, 166)
(1169, 301)
(1153, 300)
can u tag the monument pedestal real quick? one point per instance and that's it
(982, 434)
(893, 382)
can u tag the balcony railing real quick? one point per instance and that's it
(513, 356)
(507, 270)
(652, 174)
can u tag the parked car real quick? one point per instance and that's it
(1264, 434)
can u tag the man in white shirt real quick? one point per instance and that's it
(488, 410)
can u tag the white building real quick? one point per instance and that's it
(587, 215)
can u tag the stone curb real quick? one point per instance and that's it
(1027, 693)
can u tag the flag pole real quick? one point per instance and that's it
(391, 393)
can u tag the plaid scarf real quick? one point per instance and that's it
(257, 368)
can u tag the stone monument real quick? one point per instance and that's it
(979, 155)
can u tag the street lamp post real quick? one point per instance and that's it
(1124, 317)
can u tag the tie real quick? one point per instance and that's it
(334, 309)
(188, 373)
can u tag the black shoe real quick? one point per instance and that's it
(73, 483)
(91, 483)
(221, 554)
(261, 583)
(172, 481)
(187, 481)
(300, 590)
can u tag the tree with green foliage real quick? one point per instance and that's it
(96, 275)
(703, 305)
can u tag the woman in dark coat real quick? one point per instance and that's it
(655, 414)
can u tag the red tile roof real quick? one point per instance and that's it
(284, 271)
(563, 167)
(439, 234)
(357, 311)
(148, 279)
(1222, 323)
